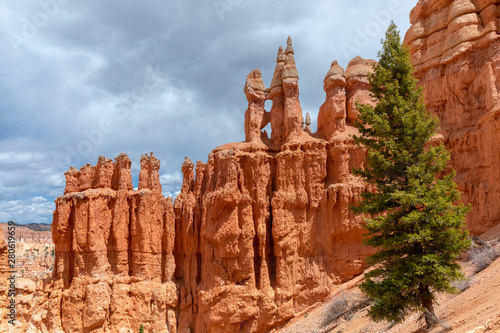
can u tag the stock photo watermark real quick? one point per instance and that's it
(11, 273)
(48, 9)
(94, 137)
(222, 6)
(363, 36)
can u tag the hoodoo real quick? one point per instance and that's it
(263, 230)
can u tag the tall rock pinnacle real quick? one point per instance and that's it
(292, 108)
(276, 95)
(255, 93)
(358, 88)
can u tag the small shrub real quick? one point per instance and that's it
(344, 307)
(462, 285)
(141, 329)
(482, 256)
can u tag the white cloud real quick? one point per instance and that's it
(171, 194)
(56, 180)
(171, 178)
(30, 210)
(171, 183)
(20, 157)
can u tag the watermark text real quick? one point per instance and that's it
(11, 277)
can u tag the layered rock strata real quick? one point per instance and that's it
(25, 235)
(262, 234)
(455, 48)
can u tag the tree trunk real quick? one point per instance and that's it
(426, 298)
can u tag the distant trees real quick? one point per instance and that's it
(414, 224)
(37, 226)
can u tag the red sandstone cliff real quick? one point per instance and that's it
(455, 48)
(114, 264)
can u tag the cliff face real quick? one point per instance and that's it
(26, 235)
(455, 48)
(261, 235)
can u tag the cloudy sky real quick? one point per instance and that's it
(81, 79)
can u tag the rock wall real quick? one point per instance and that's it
(114, 246)
(262, 234)
(455, 48)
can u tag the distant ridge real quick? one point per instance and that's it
(34, 226)
(38, 226)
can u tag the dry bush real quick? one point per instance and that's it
(482, 254)
(344, 306)
(462, 285)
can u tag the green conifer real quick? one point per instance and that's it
(413, 223)
(141, 328)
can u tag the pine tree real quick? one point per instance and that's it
(141, 328)
(413, 223)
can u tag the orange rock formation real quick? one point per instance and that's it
(258, 233)
(455, 48)
(114, 262)
(262, 230)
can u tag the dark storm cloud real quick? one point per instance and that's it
(87, 78)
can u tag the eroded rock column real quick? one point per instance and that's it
(460, 76)
(278, 99)
(358, 88)
(114, 264)
(149, 176)
(254, 116)
(332, 114)
(292, 108)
